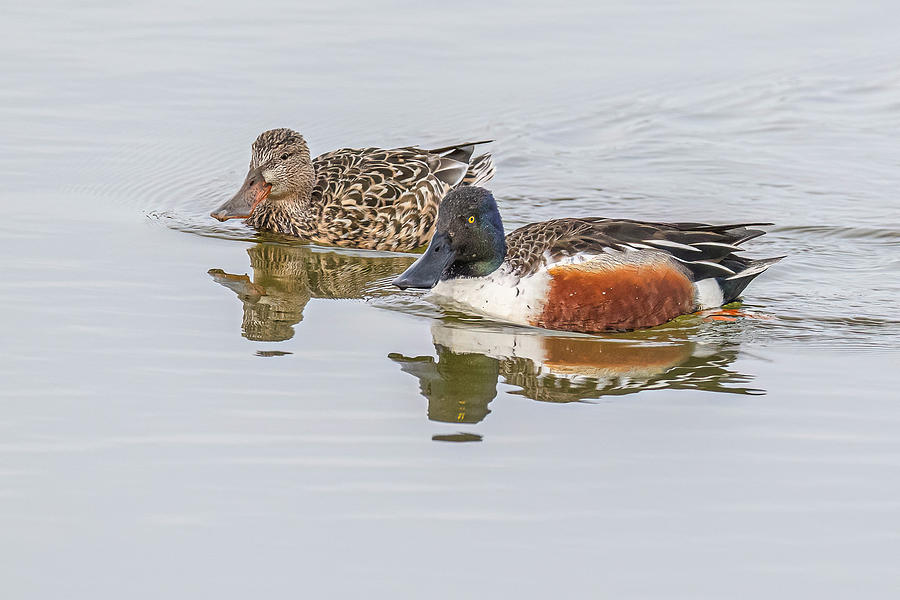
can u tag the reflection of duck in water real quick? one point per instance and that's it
(286, 277)
(554, 368)
(458, 386)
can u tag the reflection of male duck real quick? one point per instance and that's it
(286, 277)
(554, 368)
(458, 386)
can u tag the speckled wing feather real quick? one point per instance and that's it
(704, 250)
(375, 198)
(387, 199)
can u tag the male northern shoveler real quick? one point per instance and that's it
(580, 274)
(354, 197)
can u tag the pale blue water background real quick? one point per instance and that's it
(155, 441)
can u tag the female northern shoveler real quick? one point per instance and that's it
(588, 274)
(355, 197)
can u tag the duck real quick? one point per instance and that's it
(587, 275)
(367, 198)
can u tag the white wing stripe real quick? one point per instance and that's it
(731, 247)
(712, 264)
(753, 270)
(671, 244)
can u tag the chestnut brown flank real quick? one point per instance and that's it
(618, 298)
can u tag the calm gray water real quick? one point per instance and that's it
(189, 410)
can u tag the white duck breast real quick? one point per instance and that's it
(500, 295)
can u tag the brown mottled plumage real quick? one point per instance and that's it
(368, 198)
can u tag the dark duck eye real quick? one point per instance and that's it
(284, 157)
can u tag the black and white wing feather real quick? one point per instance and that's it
(704, 251)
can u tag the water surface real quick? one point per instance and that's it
(191, 409)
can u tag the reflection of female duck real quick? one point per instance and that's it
(286, 277)
(461, 383)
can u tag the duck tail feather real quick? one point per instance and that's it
(733, 286)
(466, 147)
(480, 171)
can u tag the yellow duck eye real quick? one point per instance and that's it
(471, 219)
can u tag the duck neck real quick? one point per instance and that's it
(490, 259)
(291, 214)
